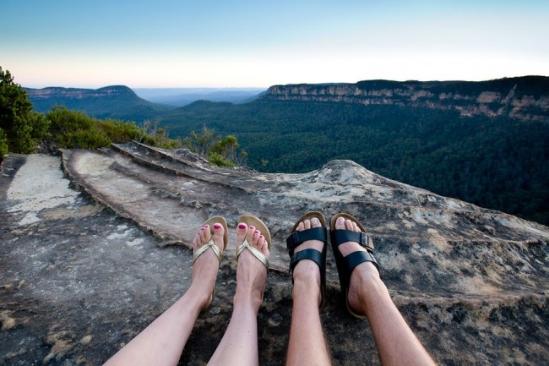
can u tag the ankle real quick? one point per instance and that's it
(366, 286)
(201, 294)
(248, 298)
(367, 274)
(306, 273)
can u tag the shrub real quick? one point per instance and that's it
(160, 139)
(3, 144)
(220, 151)
(71, 129)
(118, 131)
(219, 160)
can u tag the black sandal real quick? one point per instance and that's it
(296, 238)
(346, 265)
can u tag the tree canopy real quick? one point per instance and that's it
(22, 127)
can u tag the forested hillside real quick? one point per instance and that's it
(118, 101)
(499, 163)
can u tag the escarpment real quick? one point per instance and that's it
(523, 98)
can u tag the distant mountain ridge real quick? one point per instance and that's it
(179, 97)
(522, 98)
(115, 101)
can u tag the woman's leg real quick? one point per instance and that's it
(162, 342)
(396, 343)
(307, 343)
(239, 343)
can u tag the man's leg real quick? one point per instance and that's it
(307, 343)
(239, 344)
(162, 342)
(395, 341)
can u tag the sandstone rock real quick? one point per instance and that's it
(465, 278)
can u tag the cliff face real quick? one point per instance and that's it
(523, 98)
(463, 276)
(115, 101)
(76, 93)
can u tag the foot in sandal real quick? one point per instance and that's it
(364, 274)
(307, 248)
(253, 252)
(208, 246)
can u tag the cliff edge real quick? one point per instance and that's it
(463, 276)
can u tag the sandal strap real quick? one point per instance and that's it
(209, 245)
(255, 252)
(312, 254)
(354, 259)
(343, 236)
(298, 237)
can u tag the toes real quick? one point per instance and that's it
(250, 233)
(260, 242)
(300, 226)
(340, 223)
(264, 246)
(218, 234)
(202, 235)
(205, 234)
(196, 240)
(307, 224)
(241, 231)
(315, 222)
(255, 238)
(355, 227)
(349, 224)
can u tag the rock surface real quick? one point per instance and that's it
(77, 281)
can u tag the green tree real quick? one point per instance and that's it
(3, 145)
(23, 127)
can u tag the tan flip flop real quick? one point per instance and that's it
(210, 244)
(252, 220)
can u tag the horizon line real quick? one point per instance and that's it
(93, 87)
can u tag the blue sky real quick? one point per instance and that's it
(260, 43)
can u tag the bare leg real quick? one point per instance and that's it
(239, 343)
(307, 343)
(162, 342)
(396, 343)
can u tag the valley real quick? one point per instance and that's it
(483, 142)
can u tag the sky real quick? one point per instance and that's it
(178, 43)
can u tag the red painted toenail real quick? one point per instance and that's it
(217, 226)
(241, 226)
